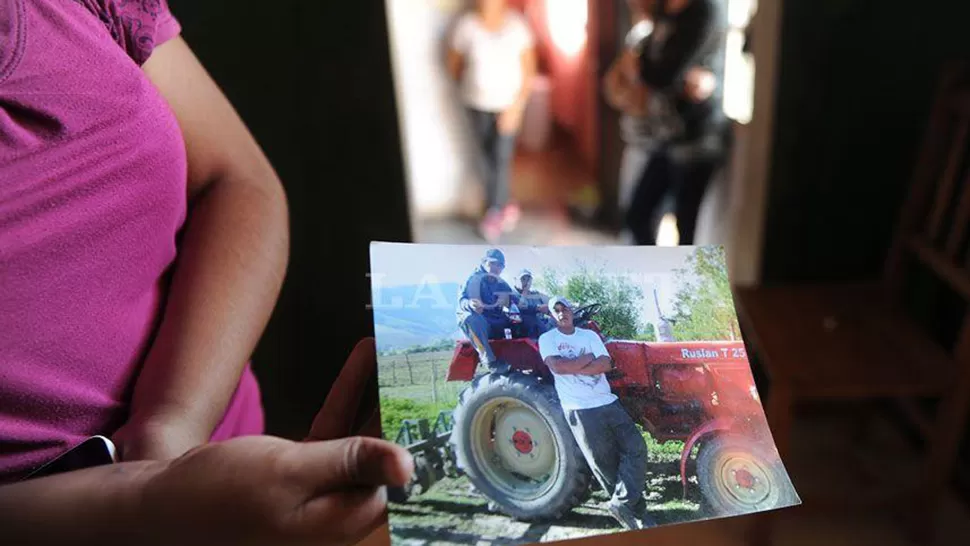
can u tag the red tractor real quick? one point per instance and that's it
(509, 436)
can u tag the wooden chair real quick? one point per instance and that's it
(858, 341)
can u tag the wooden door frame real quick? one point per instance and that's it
(753, 158)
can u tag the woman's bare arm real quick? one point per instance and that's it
(456, 64)
(229, 271)
(97, 506)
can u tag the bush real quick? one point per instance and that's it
(396, 410)
(661, 452)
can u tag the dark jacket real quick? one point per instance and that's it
(694, 37)
(487, 288)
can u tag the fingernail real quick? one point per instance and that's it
(405, 467)
(382, 494)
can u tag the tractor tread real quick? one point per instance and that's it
(575, 476)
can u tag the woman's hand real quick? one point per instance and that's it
(255, 490)
(351, 408)
(510, 120)
(629, 65)
(699, 84)
(157, 438)
(264, 490)
(331, 489)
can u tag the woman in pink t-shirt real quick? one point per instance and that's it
(143, 243)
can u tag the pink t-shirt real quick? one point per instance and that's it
(92, 201)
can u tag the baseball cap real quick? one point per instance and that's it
(525, 272)
(560, 300)
(495, 255)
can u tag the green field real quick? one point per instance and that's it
(413, 386)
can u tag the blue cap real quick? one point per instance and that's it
(495, 255)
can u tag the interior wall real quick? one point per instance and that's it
(437, 145)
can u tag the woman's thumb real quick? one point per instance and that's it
(354, 462)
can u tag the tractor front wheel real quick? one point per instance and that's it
(511, 439)
(737, 476)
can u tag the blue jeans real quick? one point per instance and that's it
(495, 156)
(479, 330)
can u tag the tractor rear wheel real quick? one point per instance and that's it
(738, 476)
(511, 439)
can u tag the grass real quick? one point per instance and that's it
(396, 410)
(451, 512)
(665, 452)
(412, 369)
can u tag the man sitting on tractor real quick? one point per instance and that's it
(480, 308)
(611, 444)
(534, 307)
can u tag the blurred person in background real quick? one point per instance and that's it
(491, 53)
(668, 84)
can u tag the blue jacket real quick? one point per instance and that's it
(488, 288)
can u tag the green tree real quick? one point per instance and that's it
(703, 306)
(649, 333)
(619, 298)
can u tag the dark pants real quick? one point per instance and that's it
(479, 330)
(688, 180)
(534, 325)
(495, 156)
(615, 452)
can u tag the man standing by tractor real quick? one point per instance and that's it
(481, 303)
(613, 447)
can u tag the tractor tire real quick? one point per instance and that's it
(737, 476)
(511, 439)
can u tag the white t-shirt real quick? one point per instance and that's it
(492, 76)
(577, 392)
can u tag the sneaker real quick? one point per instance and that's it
(646, 521)
(624, 516)
(500, 367)
(510, 217)
(491, 227)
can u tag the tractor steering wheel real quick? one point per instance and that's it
(583, 314)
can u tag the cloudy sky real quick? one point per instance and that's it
(398, 264)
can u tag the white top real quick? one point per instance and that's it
(492, 78)
(577, 392)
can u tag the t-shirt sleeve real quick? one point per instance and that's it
(461, 36)
(138, 26)
(547, 346)
(524, 33)
(596, 344)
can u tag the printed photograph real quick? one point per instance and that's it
(552, 393)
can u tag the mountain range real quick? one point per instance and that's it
(408, 316)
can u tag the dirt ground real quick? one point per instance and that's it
(453, 513)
